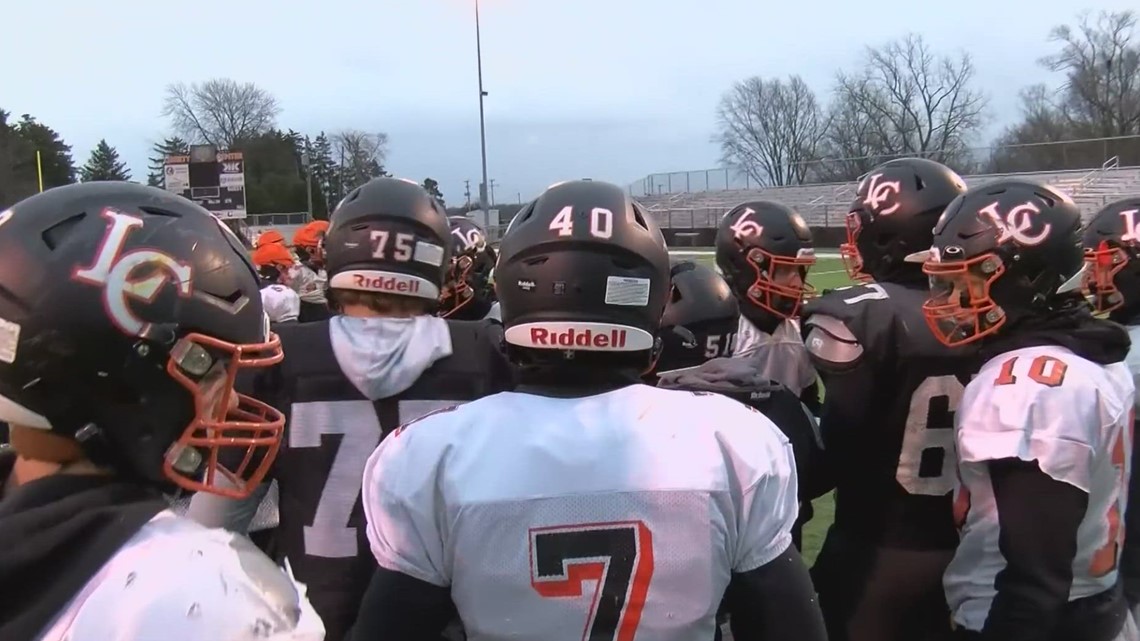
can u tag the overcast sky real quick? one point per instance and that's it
(609, 89)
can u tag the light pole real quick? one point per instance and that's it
(482, 127)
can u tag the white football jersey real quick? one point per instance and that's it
(782, 355)
(175, 580)
(281, 303)
(1074, 417)
(309, 285)
(1133, 358)
(617, 514)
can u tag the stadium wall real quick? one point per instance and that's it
(828, 237)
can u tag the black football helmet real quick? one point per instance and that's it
(893, 216)
(764, 251)
(583, 268)
(1112, 247)
(700, 319)
(388, 236)
(126, 314)
(1002, 252)
(467, 291)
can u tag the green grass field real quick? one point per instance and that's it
(827, 273)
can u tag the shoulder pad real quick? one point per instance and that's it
(495, 313)
(831, 344)
(276, 586)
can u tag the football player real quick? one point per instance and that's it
(1112, 249)
(697, 327)
(764, 251)
(700, 320)
(311, 279)
(270, 237)
(127, 314)
(275, 264)
(281, 303)
(1044, 429)
(259, 515)
(586, 504)
(467, 290)
(887, 420)
(382, 361)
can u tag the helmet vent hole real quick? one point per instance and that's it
(537, 260)
(639, 216)
(674, 295)
(233, 299)
(624, 263)
(919, 185)
(55, 235)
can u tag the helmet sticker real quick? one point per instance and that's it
(118, 273)
(632, 292)
(1017, 224)
(882, 197)
(9, 341)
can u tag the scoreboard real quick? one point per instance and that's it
(214, 179)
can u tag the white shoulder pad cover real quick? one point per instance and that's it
(831, 344)
(1063, 425)
(179, 581)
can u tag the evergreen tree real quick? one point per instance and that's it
(325, 174)
(173, 146)
(17, 164)
(104, 164)
(55, 155)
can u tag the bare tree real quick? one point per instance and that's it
(1101, 63)
(219, 111)
(770, 129)
(906, 100)
(1023, 146)
(360, 154)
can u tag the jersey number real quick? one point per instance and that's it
(875, 291)
(1046, 370)
(601, 222)
(329, 535)
(929, 438)
(617, 557)
(1105, 559)
(720, 345)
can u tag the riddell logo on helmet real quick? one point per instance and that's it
(371, 280)
(390, 284)
(585, 336)
(573, 337)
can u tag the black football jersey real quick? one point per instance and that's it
(332, 428)
(743, 380)
(888, 423)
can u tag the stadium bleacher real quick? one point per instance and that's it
(824, 205)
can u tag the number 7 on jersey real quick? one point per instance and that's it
(617, 557)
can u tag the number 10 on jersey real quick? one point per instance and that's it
(617, 557)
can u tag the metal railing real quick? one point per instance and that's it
(1042, 156)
